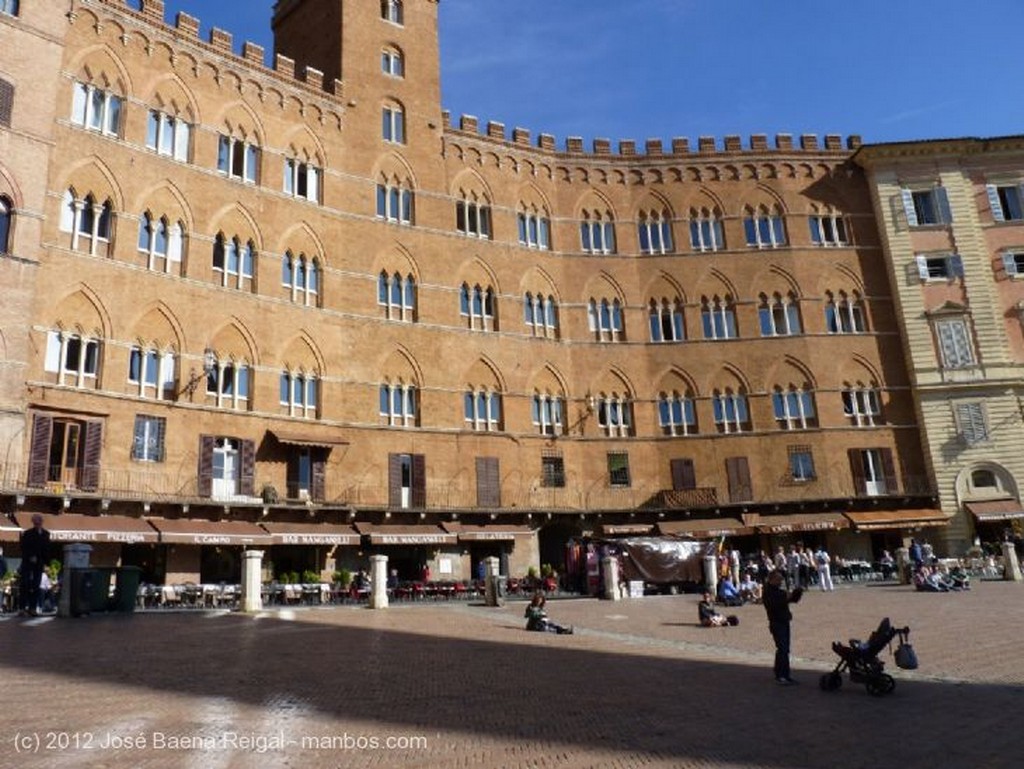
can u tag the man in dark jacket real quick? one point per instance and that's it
(776, 604)
(34, 544)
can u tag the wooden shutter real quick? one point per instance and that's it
(419, 480)
(942, 205)
(39, 454)
(247, 468)
(92, 449)
(684, 476)
(318, 480)
(394, 480)
(488, 482)
(860, 486)
(892, 484)
(738, 472)
(205, 473)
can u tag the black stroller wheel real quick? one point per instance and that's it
(830, 681)
(881, 685)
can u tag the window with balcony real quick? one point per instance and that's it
(706, 230)
(96, 109)
(655, 232)
(65, 451)
(396, 296)
(540, 314)
(168, 135)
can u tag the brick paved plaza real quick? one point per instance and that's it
(639, 684)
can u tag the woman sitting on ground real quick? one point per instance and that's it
(537, 617)
(711, 618)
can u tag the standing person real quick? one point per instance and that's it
(776, 602)
(823, 562)
(916, 555)
(793, 561)
(34, 544)
(3, 585)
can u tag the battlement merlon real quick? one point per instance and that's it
(186, 27)
(469, 126)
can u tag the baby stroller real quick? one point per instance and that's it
(861, 660)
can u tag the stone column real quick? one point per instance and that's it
(610, 567)
(1011, 566)
(76, 556)
(378, 582)
(252, 570)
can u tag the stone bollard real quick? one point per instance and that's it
(903, 565)
(711, 574)
(494, 593)
(252, 583)
(76, 556)
(378, 582)
(1011, 566)
(610, 566)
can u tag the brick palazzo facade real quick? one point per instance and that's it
(296, 307)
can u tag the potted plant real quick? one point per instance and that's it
(269, 494)
(343, 578)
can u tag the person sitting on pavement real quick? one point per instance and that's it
(927, 581)
(537, 617)
(750, 589)
(709, 616)
(960, 578)
(728, 594)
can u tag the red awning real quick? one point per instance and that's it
(415, 534)
(897, 519)
(704, 528)
(73, 527)
(187, 531)
(311, 534)
(995, 510)
(783, 524)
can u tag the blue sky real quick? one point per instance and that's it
(637, 69)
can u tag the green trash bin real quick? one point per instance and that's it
(126, 588)
(99, 599)
(81, 591)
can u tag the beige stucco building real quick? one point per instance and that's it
(296, 306)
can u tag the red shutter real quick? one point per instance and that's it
(394, 480)
(39, 454)
(488, 482)
(738, 472)
(892, 485)
(92, 449)
(419, 481)
(205, 484)
(247, 474)
(683, 474)
(860, 485)
(318, 482)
